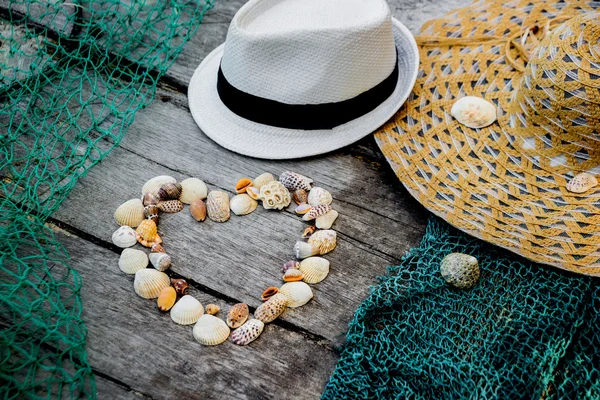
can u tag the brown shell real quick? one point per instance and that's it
(300, 196)
(268, 293)
(271, 309)
(180, 285)
(293, 275)
(151, 212)
(170, 191)
(147, 233)
(248, 332)
(293, 264)
(150, 199)
(212, 309)
(242, 185)
(309, 231)
(237, 315)
(170, 206)
(198, 210)
(157, 248)
(166, 298)
(217, 206)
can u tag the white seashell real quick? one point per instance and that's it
(325, 240)
(302, 209)
(293, 181)
(327, 220)
(304, 250)
(149, 282)
(272, 308)
(160, 261)
(297, 293)
(217, 206)
(187, 311)
(319, 196)
(474, 112)
(582, 182)
(242, 204)
(248, 332)
(315, 269)
(132, 260)
(262, 180)
(275, 196)
(315, 212)
(193, 189)
(210, 330)
(130, 213)
(155, 183)
(124, 237)
(253, 192)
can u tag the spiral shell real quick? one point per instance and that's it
(297, 293)
(581, 183)
(160, 261)
(130, 213)
(242, 204)
(237, 315)
(170, 206)
(248, 332)
(316, 211)
(217, 206)
(124, 236)
(275, 196)
(132, 260)
(151, 212)
(170, 191)
(147, 234)
(210, 330)
(272, 308)
(314, 269)
(326, 221)
(324, 240)
(166, 299)
(319, 196)
(212, 309)
(187, 311)
(154, 184)
(262, 180)
(303, 250)
(192, 189)
(460, 270)
(474, 112)
(181, 286)
(198, 210)
(293, 181)
(293, 275)
(269, 292)
(150, 199)
(242, 185)
(149, 282)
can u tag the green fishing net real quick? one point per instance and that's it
(526, 331)
(72, 76)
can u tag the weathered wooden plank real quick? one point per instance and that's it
(106, 389)
(131, 341)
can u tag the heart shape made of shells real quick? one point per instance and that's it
(165, 194)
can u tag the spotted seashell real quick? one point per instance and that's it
(314, 269)
(242, 204)
(275, 196)
(212, 309)
(124, 236)
(319, 196)
(150, 199)
(248, 332)
(198, 210)
(157, 248)
(303, 250)
(166, 299)
(181, 286)
(302, 209)
(253, 192)
(262, 180)
(170, 206)
(169, 191)
(297, 293)
(154, 184)
(293, 275)
(300, 196)
(460, 270)
(309, 231)
(326, 221)
(192, 189)
(271, 309)
(292, 264)
(294, 181)
(130, 213)
(151, 212)
(316, 211)
(324, 240)
(160, 261)
(132, 260)
(269, 292)
(187, 311)
(474, 112)
(147, 234)
(149, 282)
(237, 315)
(210, 330)
(242, 185)
(582, 182)
(217, 206)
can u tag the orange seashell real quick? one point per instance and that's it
(268, 293)
(166, 298)
(293, 275)
(242, 185)
(198, 210)
(300, 196)
(309, 231)
(147, 233)
(180, 285)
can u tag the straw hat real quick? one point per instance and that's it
(296, 78)
(538, 63)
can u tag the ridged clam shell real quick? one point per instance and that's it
(474, 112)
(237, 315)
(192, 189)
(327, 220)
(149, 282)
(581, 183)
(275, 196)
(315, 269)
(262, 180)
(198, 210)
(319, 196)
(297, 293)
(217, 206)
(210, 330)
(147, 234)
(293, 181)
(132, 260)
(304, 250)
(187, 311)
(170, 206)
(242, 204)
(316, 211)
(460, 270)
(160, 261)
(124, 237)
(155, 183)
(324, 240)
(170, 191)
(212, 309)
(272, 308)
(293, 275)
(242, 185)
(166, 299)
(130, 213)
(248, 332)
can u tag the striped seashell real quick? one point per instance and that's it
(294, 181)
(187, 311)
(262, 180)
(324, 240)
(124, 237)
(272, 308)
(160, 261)
(303, 250)
(326, 221)
(147, 233)
(314, 269)
(237, 315)
(166, 299)
(581, 183)
(192, 189)
(242, 204)
(293, 275)
(149, 282)
(248, 332)
(132, 260)
(319, 196)
(198, 210)
(316, 211)
(169, 191)
(170, 206)
(154, 184)
(217, 206)
(210, 330)
(297, 293)
(130, 213)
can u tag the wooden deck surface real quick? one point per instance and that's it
(136, 351)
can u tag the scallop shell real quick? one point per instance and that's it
(319, 196)
(275, 196)
(130, 213)
(315, 269)
(180, 285)
(292, 264)
(124, 237)
(166, 298)
(217, 206)
(300, 196)
(302, 209)
(187, 311)
(474, 112)
(581, 183)
(160, 261)
(272, 308)
(293, 181)
(324, 240)
(262, 180)
(149, 282)
(198, 210)
(327, 220)
(192, 189)
(170, 206)
(253, 192)
(460, 270)
(237, 315)
(155, 183)
(248, 332)
(169, 191)
(210, 330)
(242, 204)
(293, 275)
(309, 231)
(132, 260)
(147, 233)
(157, 248)
(297, 293)
(150, 199)
(212, 309)
(303, 250)
(242, 185)
(316, 211)
(269, 292)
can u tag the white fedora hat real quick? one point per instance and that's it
(297, 78)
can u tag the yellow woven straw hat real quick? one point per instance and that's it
(538, 63)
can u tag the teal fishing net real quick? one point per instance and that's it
(526, 331)
(72, 76)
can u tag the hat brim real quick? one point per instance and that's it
(263, 141)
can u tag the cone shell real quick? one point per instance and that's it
(253, 192)
(293, 181)
(124, 237)
(212, 309)
(192, 189)
(132, 260)
(147, 233)
(316, 211)
(242, 204)
(248, 332)
(297, 293)
(319, 196)
(300, 196)
(325, 240)
(327, 220)
(187, 311)
(315, 269)
(217, 206)
(160, 261)
(180, 285)
(149, 282)
(275, 196)
(237, 315)
(474, 112)
(198, 210)
(262, 180)
(581, 183)
(303, 250)
(166, 299)
(293, 275)
(170, 206)
(242, 185)
(154, 184)
(269, 292)
(130, 213)
(271, 309)
(210, 330)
